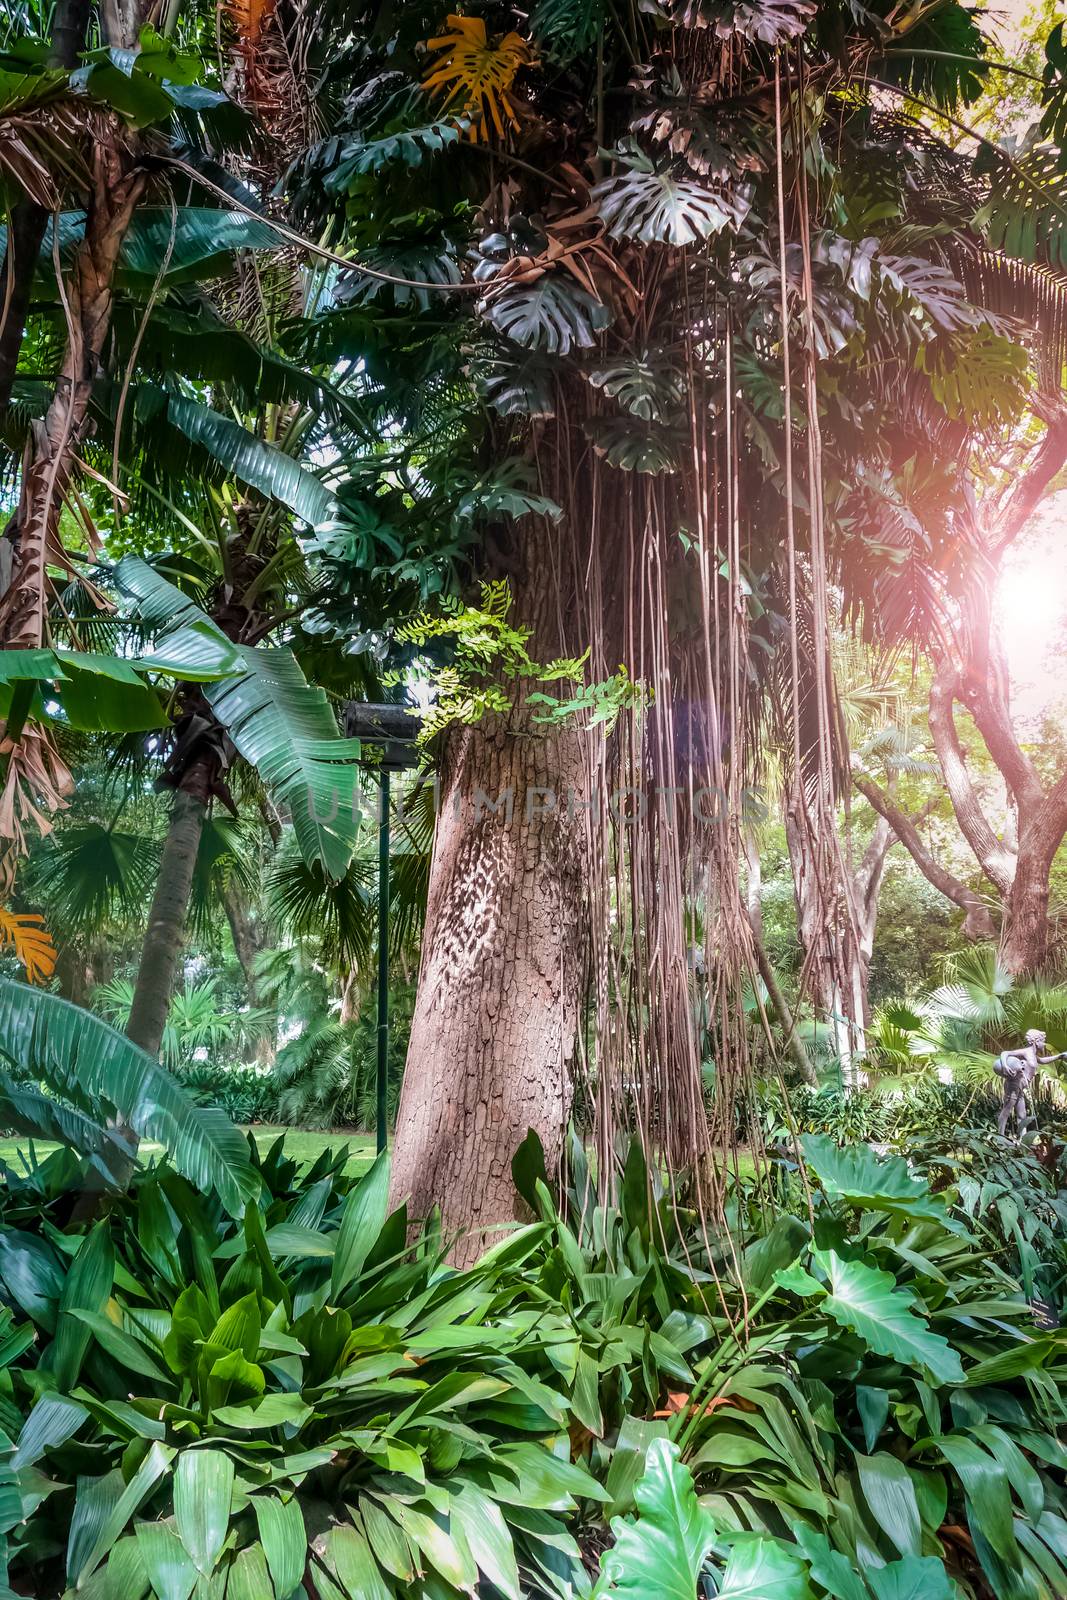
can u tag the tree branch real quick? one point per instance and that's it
(995, 860)
(979, 921)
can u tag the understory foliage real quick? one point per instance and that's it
(855, 1404)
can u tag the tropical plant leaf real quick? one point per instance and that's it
(240, 455)
(552, 314)
(476, 77)
(663, 1551)
(648, 385)
(648, 203)
(865, 1179)
(55, 1041)
(1026, 213)
(762, 21)
(280, 723)
(868, 1301)
(761, 1568)
(26, 934)
(634, 446)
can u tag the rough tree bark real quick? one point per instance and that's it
(500, 984)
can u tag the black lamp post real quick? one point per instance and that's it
(393, 731)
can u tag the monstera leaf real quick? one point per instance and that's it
(650, 204)
(862, 1178)
(647, 385)
(763, 21)
(869, 1302)
(519, 385)
(552, 314)
(1026, 213)
(662, 1552)
(634, 446)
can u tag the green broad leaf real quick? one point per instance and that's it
(280, 724)
(829, 1568)
(232, 1377)
(1023, 1478)
(252, 462)
(913, 1578)
(761, 1568)
(553, 314)
(55, 1041)
(444, 1548)
(288, 1239)
(890, 1494)
(389, 1543)
(53, 1420)
(249, 1578)
(97, 701)
(196, 652)
(361, 1222)
(31, 1275)
(284, 1539)
(489, 1539)
(239, 1327)
(91, 1552)
(87, 1287)
(124, 1577)
(776, 1250)
(20, 666)
(546, 1481)
(170, 1569)
(867, 1300)
(133, 1355)
(988, 1491)
(352, 1562)
(272, 1411)
(873, 1407)
(203, 1489)
(865, 1179)
(663, 1551)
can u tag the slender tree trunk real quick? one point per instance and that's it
(30, 220)
(50, 458)
(497, 1011)
(162, 947)
(247, 947)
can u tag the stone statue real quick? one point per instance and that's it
(1018, 1068)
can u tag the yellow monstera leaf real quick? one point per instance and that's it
(476, 76)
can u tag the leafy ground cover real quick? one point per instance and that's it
(301, 1145)
(305, 1403)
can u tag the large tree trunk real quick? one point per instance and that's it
(162, 946)
(497, 1014)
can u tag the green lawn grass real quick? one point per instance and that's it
(300, 1145)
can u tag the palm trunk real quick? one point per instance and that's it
(162, 947)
